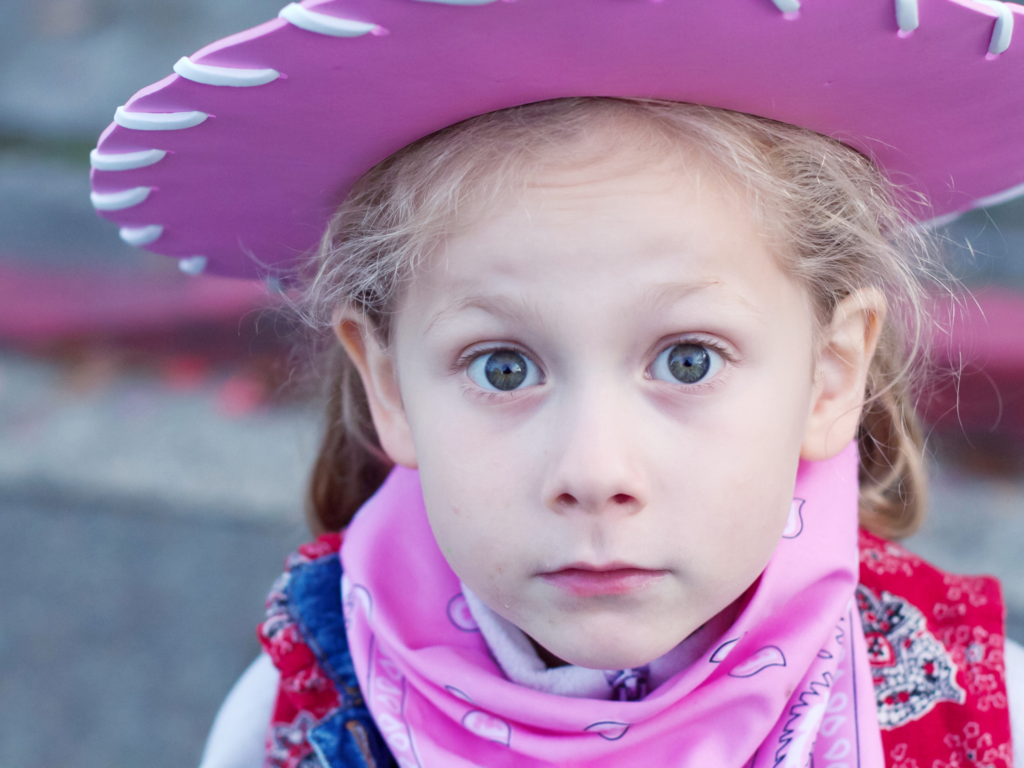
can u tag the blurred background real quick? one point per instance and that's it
(153, 446)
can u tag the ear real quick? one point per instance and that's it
(841, 373)
(376, 366)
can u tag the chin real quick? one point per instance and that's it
(611, 655)
(612, 641)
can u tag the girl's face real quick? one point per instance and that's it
(605, 386)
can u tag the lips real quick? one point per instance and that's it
(584, 580)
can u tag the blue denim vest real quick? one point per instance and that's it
(347, 737)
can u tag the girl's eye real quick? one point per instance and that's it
(503, 370)
(686, 363)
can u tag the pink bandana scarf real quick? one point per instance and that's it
(787, 680)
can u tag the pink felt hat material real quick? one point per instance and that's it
(235, 163)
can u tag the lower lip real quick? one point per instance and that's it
(621, 581)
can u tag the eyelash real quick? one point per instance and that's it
(468, 357)
(462, 364)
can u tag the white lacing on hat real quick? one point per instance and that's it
(192, 265)
(141, 235)
(325, 24)
(1002, 31)
(788, 7)
(125, 161)
(116, 201)
(231, 76)
(158, 121)
(907, 17)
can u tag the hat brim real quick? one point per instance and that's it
(243, 156)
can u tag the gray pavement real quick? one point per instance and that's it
(124, 627)
(140, 529)
(78, 434)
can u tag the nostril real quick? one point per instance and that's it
(566, 500)
(623, 498)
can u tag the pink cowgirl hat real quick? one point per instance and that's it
(235, 162)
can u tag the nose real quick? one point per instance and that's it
(595, 466)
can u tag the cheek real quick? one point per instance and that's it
(476, 508)
(730, 534)
(476, 459)
(480, 469)
(739, 462)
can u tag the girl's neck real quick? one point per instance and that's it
(550, 660)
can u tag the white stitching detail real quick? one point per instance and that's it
(141, 235)
(787, 6)
(1002, 32)
(939, 221)
(907, 17)
(125, 161)
(1000, 197)
(192, 265)
(158, 121)
(321, 23)
(116, 201)
(210, 75)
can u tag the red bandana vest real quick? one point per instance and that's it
(935, 642)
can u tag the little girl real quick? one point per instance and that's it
(613, 376)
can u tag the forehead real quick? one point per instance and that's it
(470, 175)
(619, 230)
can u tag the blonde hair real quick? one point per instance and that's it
(837, 223)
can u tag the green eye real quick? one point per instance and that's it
(503, 370)
(686, 363)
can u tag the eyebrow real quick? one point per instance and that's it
(664, 296)
(516, 311)
(510, 310)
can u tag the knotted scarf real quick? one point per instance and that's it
(788, 679)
